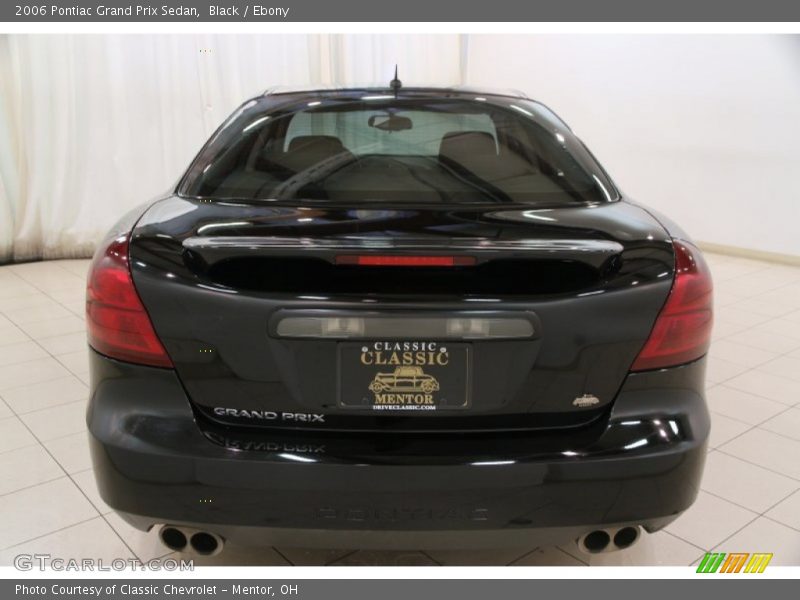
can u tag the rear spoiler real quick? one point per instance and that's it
(214, 249)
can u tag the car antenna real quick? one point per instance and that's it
(395, 83)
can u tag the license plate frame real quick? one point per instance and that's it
(404, 377)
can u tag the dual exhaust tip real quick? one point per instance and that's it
(609, 540)
(185, 539)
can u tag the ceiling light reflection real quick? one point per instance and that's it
(296, 458)
(636, 444)
(255, 123)
(522, 110)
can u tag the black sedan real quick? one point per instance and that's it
(397, 317)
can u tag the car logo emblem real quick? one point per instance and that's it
(585, 400)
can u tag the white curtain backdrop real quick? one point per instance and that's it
(92, 125)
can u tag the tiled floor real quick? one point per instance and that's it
(750, 499)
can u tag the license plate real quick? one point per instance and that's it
(404, 376)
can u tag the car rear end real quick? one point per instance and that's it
(400, 372)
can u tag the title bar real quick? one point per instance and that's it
(204, 11)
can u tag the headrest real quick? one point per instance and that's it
(456, 145)
(327, 144)
(306, 151)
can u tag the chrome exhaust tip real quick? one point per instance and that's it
(627, 537)
(173, 538)
(595, 542)
(205, 543)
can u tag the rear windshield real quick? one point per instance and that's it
(382, 149)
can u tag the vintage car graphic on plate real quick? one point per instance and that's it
(404, 379)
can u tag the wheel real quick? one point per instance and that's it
(427, 387)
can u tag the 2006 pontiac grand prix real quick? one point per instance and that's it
(397, 317)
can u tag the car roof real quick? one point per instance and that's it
(375, 88)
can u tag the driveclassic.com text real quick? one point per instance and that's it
(151, 11)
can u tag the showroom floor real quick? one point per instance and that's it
(750, 498)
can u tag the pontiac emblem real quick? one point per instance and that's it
(585, 400)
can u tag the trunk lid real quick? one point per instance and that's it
(271, 324)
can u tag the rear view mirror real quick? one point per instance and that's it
(390, 122)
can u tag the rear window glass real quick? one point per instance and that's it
(406, 150)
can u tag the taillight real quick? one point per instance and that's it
(682, 331)
(116, 320)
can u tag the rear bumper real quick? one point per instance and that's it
(155, 464)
